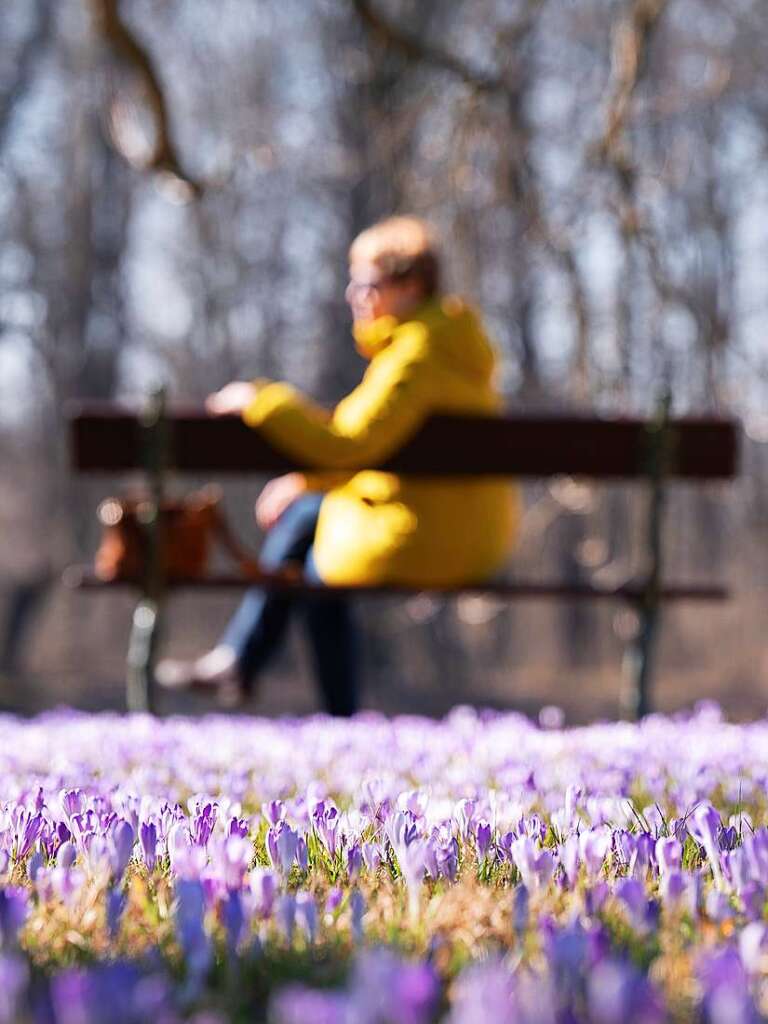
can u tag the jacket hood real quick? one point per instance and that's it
(456, 337)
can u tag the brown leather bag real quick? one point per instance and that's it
(189, 528)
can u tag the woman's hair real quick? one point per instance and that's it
(400, 247)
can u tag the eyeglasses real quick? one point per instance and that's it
(367, 286)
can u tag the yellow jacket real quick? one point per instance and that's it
(380, 527)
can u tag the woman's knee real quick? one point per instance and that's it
(291, 537)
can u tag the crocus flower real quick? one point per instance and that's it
(238, 827)
(72, 802)
(116, 901)
(296, 1004)
(273, 811)
(66, 855)
(306, 915)
(203, 823)
(121, 844)
(718, 906)
(234, 919)
(669, 854)
(371, 856)
(618, 994)
(632, 895)
(334, 899)
(190, 908)
(282, 844)
(302, 853)
(357, 912)
(520, 902)
(326, 822)
(448, 860)
(285, 915)
(230, 858)
(14, 979)
(465, 816)
(148, 843)
(755, 847)
(594, 845)
(27, 831)
(640, 861)
(34, 865)
(569, 859)
(263, 886)
(354, 861)
(14, 908)
(383, 987)
(536, 866)
(703, 826)
(483, 839)
(726, 995)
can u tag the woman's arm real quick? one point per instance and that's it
(368, 425)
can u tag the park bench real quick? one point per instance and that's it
(106, 438)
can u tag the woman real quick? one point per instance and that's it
(427, 354)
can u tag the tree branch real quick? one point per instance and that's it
(391, 35)
(119, 38)
(25, 63)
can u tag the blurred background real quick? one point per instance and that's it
(179, 183)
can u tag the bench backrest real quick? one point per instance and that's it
(105, 438)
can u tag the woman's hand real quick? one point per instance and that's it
(277, 496)
(232, 398)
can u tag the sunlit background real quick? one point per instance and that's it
(600, 182)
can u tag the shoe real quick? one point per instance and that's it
(214, 673)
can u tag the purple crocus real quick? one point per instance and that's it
(14, 909)
(483, 834)
(357, 912)
(618, 994)
(72, 802)
(326, 822)
(306, 915)
(448, 860)
(27, 830)
(233, 917)
(371, 856)
(536, 866)
(669, 854)
(465, 816)
(354, 861)
(334, 899)
(302, 854)
(282, 843)
(285, 915)
(570, 860)
(640, 861)
(190, 909)
(238, 827)
(296, 1004)
(274, 812)
(631, 893)
(594, 845)
(263, 885)
(120, 846)
(203, 823)
(116, 901)
(148, 843)
(703, 825)
(753, 947)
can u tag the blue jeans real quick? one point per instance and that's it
(258, 626)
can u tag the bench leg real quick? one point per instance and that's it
(638, 667)
(638, 660)
(142, 650)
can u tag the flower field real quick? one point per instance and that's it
(476, 869)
